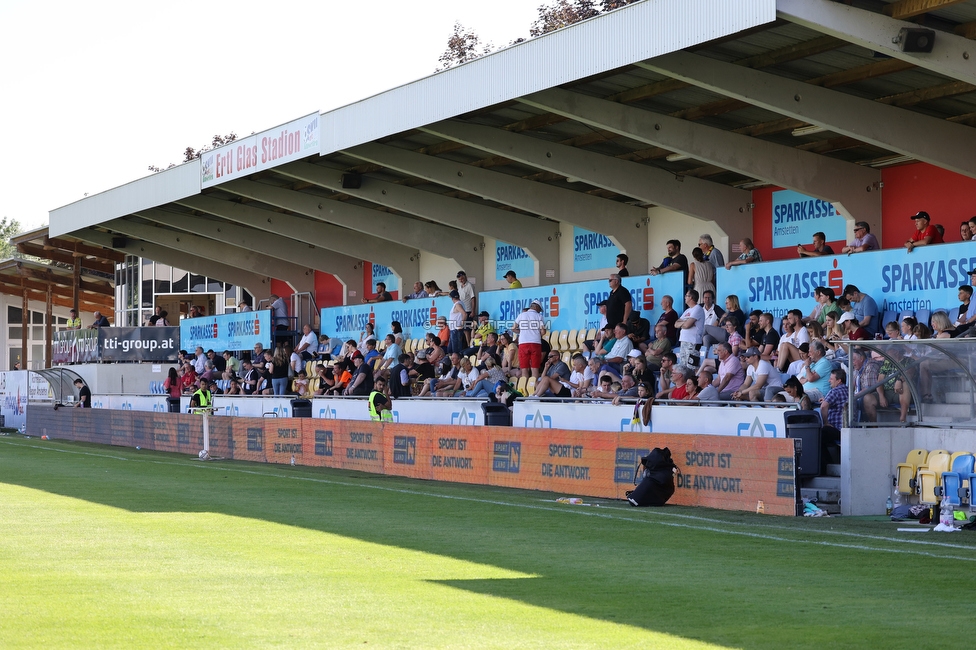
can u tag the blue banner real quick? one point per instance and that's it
(797, 216)
(238, 331)
(574, 306)
(593, 251)
(385, 275)
(417, 317)
(927, 278)
(509, 257)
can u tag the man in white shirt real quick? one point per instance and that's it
(309, 344)
(199, 361)
(530, 327)
(617, 355)
(691, 327)
(762, 380)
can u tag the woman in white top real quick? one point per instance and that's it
(366, 336)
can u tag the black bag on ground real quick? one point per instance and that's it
(657, 485)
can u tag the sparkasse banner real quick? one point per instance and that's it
(291, 141)
(238, 331)
(797, 216)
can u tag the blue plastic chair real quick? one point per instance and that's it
(960, 470)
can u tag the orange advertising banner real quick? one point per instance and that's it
(725, 472)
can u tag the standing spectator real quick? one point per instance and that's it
(924, 234)
(863, 239)
(675, 261)
(84, 394)
(243, 307)
(669, 317)
(466, 293)
(750, 254)
(382, 295)
(712, 255)
(162, 321)
(74, 323)
(690, 326)
(530, 328)
(418, 292)
(172, 383)
(456, 324)
(100, 321)
(621, 264)
(513, 281)
(701, 274)
(832, 409)
(279, 312)
(149, 323)
(619, 302)
(820, 247)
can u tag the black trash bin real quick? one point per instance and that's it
(301, 408)
(805, 425)
(174, 404)
(497, 414)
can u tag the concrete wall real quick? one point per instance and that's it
(869, 458)
(667, 224)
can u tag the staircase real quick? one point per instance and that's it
(823, 490)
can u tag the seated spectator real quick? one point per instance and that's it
(299, 384)
(820, 247)
(188, 379)
(892, 331)
(443, 331)
(691, 389)
(965, 297)
(924, 234)
(863, 239)
(749, 254)
(828, 303)
(595, 343)
(864, 372)
(553, 373)
(706, 392)
(891, 390)
(908, 325)
(391, 354)
(479, 337)
(362, 379)
(249, 377)
(371, 354)
(851, 330)
(422, 369)
(368, 334)
(308, 346)
(400, 379)
(736, 342)
(668, 362)
(713, 313)
(754, 330)
(865, 309)
(970, 318)
(489, 349)
(466, 378)
(657, 348)
(342, 372)
(769, 339)
(679, 376)
(219, 362)
(816, 374)
(446, 381)
(323, 351)
(795, 334)
(615, 358)
(326, 379)
(794, 389)
(941, 326)
(637, 368)
(642, 408)
(418, 292)
(509, 359)
(762, 380)
(731, 374)
(486, 381)
(295, 362)
(639, 331)
(209, 372)
(798, 366)
(434, 350)
(234, 388)
(605, 388)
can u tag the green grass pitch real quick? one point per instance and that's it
(110, 547)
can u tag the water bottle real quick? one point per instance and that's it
(888, 506)
(293, 460)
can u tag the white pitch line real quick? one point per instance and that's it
(605, 514)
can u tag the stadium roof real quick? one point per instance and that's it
(686, 104)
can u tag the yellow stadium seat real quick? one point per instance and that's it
(313, 385)
(590, 334)
(573, 341)
(564, 340)
(930, 477)
(520, 385)
(409, 345)
(310, 368)
(567, 357)
(905, 472)
(554, 339)
(530, 386)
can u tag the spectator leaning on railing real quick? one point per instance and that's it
(863, 239)
(924, 234)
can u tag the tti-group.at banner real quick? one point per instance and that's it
(927, 278)
(592, 251)
(139, 343)
(574, 306)
(732, 473)
(291, 141)
(509, 257)
(385, 275)
(797, 216)
(417, 317)
(240, 331)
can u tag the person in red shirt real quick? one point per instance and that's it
(854, 331)
(925, 233)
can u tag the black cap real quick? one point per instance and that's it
(921, 214)
(602, 303)
(485, 314)
(460, 273)
(455, 294)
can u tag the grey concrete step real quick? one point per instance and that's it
(831, 483)
(833, 470)
(821, 496)
(952, 411)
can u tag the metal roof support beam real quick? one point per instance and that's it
(464, 248)
(926, 138)
(618, 221)
(951, 55)
(854, 187)
(692, 196)
(273, 245)
(305, 233)
(536, 236)
(253, 282)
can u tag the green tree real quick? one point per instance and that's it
(462, 46)
(9, 228)
(562, 13)
(190, 153)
